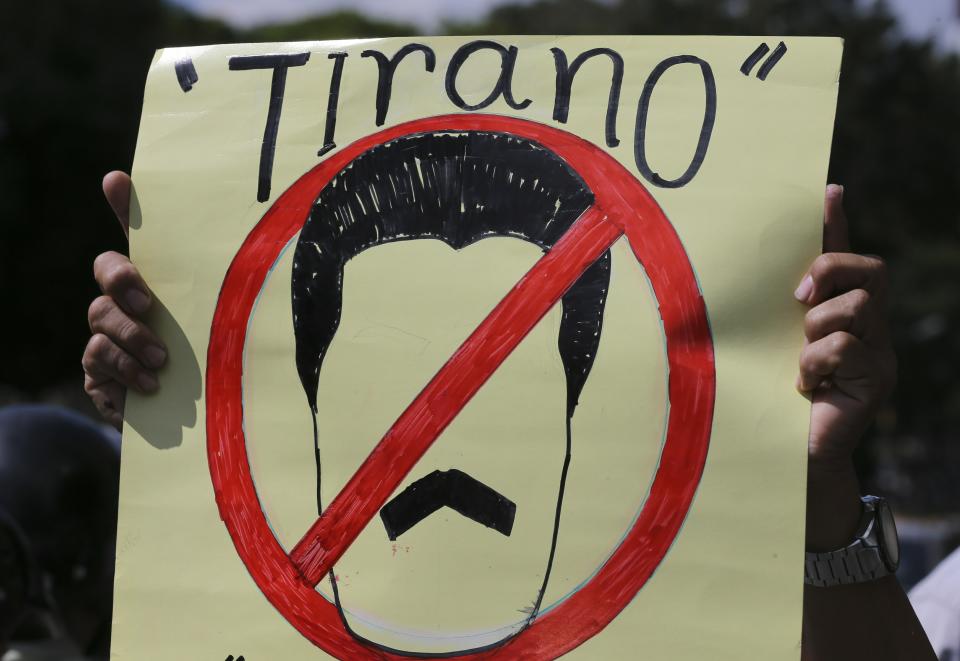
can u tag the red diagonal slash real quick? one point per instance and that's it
(449, 391)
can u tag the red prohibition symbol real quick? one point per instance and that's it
(622, 206)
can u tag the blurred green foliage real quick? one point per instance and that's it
(338, 25)
(71, 77)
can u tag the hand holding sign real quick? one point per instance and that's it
(123, 352)
(847, 366)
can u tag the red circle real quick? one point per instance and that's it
(692, 385)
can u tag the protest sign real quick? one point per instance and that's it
(479, 348)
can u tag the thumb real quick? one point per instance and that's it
(835, 233)
(116, 188)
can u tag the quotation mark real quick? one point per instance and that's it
(187, 76)
(759, 54)
(239, 658)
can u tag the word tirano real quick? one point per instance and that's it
(566, 71)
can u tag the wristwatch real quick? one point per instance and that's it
(874, 553)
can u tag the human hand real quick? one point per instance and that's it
(848, 369)
(122, 352)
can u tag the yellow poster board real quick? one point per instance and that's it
(479, 348)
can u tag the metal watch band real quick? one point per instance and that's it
(874, 553)
(856, 563)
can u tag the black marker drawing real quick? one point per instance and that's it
(454, 489)
(387, 66)
(457, 187)
(565, 76)
(774, 58)
(186, 74)
(706, 131)
(333, 100)
(279, 64)
(504, 86)
(758, 55)
(748, 64)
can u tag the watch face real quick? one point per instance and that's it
(891, 542)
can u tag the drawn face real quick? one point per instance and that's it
(458, 189)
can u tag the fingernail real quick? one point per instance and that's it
(138, 301)
(154, 355)
(147, 382)
(842, 190)
(804, 290)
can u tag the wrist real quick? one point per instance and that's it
(833, 506)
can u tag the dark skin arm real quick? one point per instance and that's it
(847, 368)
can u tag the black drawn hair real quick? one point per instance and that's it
(458, 187)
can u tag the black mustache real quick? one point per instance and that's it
(454, 489)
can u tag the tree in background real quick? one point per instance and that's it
(71, 83)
